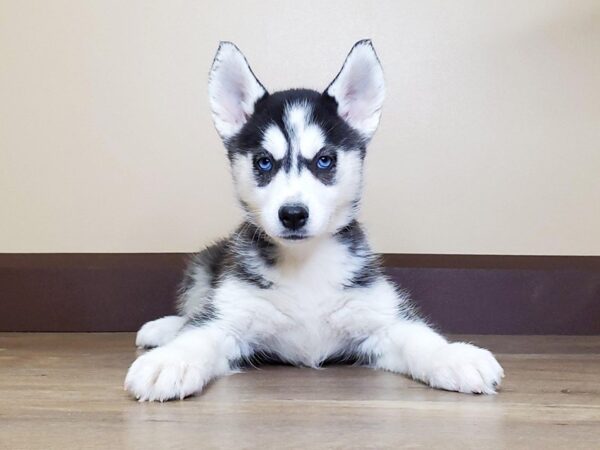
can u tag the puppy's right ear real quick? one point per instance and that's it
(233, 90)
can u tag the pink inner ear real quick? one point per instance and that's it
(350, 94)
(348, 97)
(229, 107)
(233, 106)
(356, 110)
(358, 100)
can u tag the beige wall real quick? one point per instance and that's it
(489, 142)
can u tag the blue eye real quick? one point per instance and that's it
(325, 162)
(264, 164)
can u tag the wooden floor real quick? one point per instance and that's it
(64, 391)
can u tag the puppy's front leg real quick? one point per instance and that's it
(183, 366)
(413, 348)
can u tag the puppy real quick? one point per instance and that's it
(297, 281)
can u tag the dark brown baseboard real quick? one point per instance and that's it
(467, 294)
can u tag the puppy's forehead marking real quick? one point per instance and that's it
(296, 117)
(311, 141)
(275, 142)
(306, 137)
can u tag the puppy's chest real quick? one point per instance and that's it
(312, 302)
(305, 330)
(308, 304)
(314, 290)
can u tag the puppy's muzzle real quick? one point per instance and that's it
(293, 217)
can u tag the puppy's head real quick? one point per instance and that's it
(297, 155)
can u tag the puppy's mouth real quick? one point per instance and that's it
(294, 237)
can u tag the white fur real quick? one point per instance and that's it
(189, 303)
(274, 142)
(183, 366)
(158, 332)
(311, 141)
(464, 368)
(306, 137)
(415, 349)
(359, 89)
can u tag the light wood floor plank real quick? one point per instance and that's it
(64, 391)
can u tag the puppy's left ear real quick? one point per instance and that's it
(233, 90)
(359, 89)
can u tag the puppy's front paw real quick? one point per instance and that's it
(465, 368)
(164, 374)
(158, 332)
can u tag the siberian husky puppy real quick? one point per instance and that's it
(297, 281)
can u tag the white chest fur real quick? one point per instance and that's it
(308, 292)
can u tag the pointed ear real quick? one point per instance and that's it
(232, 89)
(359, 89)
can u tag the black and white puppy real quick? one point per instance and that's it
(297, 281)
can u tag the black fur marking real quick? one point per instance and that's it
(244, 205)
(267, 251)
(270, 110)
(249, 249)
(353, 237)
(245, 273)
(261, 358)
(211, 259)
(325, 176)
(257, 359)
(249, 237)
(263, 178)
(206, 315)
(356, 204)
(241, 255)
(337, 132)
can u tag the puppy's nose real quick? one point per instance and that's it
(293, 217)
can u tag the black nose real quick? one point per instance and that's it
(293, 217)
